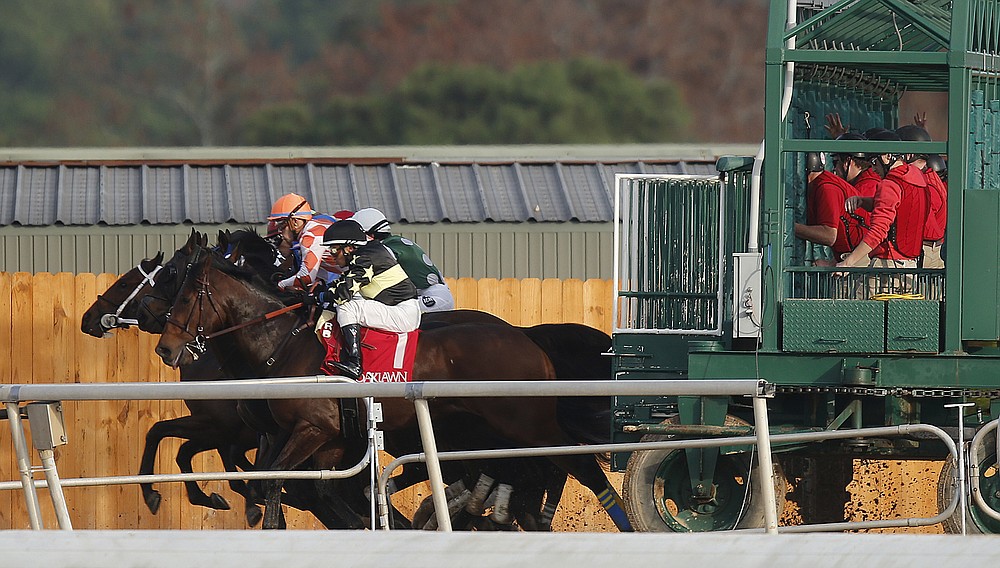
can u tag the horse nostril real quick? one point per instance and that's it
(163, 352)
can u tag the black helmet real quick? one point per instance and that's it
(851, 136)
(884, 135)
(878, 166)
(937, 163)
(918, 134)
(913, 133)
(346, 232)
(874, 131)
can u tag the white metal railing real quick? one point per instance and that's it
(419, 393)
(320, 387)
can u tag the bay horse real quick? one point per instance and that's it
(211, 424)
(216, 296)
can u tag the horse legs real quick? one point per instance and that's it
(235, 457)
(586, 470)
(185, 454)
(185, 427)
(305, 440)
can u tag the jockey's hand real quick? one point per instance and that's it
(314, 298)
(319, 295)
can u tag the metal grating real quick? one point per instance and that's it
(670, 238)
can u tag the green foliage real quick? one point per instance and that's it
(580, 101)
(281, 125)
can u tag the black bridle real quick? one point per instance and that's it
(199, 339)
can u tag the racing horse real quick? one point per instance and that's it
(211, 424)
(214, 424)
(217, 296)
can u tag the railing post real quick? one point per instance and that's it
(375, 443)
(55, 488)
(764, 460)
(24, 465)
(433, 465)
(961, 456)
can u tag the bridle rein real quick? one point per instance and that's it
(199, 342)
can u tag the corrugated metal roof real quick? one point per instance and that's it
(44, 189)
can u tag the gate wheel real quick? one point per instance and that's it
(658, 497)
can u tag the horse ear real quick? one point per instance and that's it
(203, 240)
(158, 259)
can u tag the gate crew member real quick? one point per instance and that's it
(937, 218)
(899, 213)
(826, 221)
(432, 290)
(295, 221)
(372, 291)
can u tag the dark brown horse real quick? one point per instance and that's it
(217, 295)
(211, 424)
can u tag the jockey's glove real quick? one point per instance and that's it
(321, 295)
(317, 299)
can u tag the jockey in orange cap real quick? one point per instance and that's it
(293, 218)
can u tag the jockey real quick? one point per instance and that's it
(372, 291)
(433, 291)
(295, 221)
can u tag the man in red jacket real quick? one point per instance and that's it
(827, 223)
(899, 214)
(937, 217)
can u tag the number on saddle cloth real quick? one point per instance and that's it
(386, 357)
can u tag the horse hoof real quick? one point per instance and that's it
(218, 502)
(153, 501)
(253, 516)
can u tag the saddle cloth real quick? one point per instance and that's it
(386, 356)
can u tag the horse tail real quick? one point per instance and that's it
(577, 353)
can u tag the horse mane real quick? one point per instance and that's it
(247, 273)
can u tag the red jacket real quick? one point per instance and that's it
(937, 218)
(899, 216)
(825, 206)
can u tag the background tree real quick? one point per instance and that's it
(581, 101)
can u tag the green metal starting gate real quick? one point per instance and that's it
(712, 283)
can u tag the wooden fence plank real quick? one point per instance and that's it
(552, 300)
(596, 305)
(21, 314)
(508, 300)
(489, 295)
(21, 355)
(8, 468)
(466, 292)
(572, 303)
(80, 425)
(531, 301)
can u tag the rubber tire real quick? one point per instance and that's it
(640, 486)
(976, 522)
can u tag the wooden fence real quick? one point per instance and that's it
(41, 342)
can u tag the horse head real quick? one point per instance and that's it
(153, 307)
(118, 305)
(212, 293)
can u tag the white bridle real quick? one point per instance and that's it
(111, 321)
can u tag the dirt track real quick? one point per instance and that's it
(880, 490)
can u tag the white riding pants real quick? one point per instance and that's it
(404, 316)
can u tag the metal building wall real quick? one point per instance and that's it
(473, 250)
